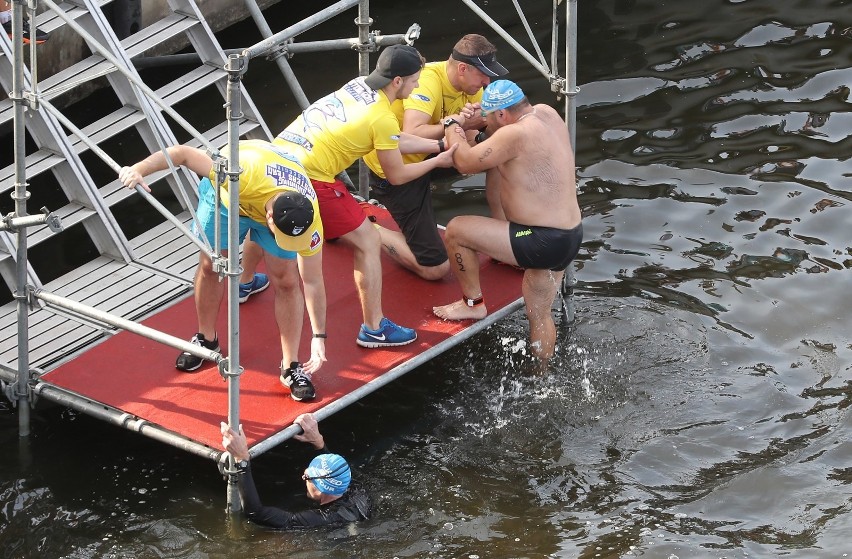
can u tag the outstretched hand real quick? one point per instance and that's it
(445, 158)
(317, 359)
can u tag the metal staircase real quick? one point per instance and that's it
(123, 279)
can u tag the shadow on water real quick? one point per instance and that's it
(697, 407)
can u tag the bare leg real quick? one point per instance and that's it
(209, 292)
(366, 243)
(289, 304)
(394, 245)
(252, 253)
(493, 185)
(539, 289)
(466, 236)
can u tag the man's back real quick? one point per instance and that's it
(336, 130)
(539, 186)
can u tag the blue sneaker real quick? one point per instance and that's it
(388, 334)
(257, 284)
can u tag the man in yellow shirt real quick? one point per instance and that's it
(331, 135)
(279, 206)
(449, 91)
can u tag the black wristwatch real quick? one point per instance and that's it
(449, 122)
(242, 465)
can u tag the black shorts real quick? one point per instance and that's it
(544, 248)
(410, 205)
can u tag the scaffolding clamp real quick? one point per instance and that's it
(559, 85)
(412, 34)
(225, 369)
(11, 222)
(280, 50)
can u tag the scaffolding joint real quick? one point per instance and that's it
(30, 99)
(225, 369)
(280, 51)
(370, 45)
(412, 34)
(236, 66)
(11, 222)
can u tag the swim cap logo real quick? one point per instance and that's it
(494, 96)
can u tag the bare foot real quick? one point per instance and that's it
(460, 311)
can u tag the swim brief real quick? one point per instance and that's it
(544, 248)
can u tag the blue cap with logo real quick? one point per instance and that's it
(500, 95)
(330, 473)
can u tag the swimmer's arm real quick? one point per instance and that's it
(494, 151)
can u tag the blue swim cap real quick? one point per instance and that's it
(500, 95)
(330, 473)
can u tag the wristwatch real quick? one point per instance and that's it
(242, 465)
(449, 122)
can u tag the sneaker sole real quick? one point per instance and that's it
(374, 345)
(246, 298)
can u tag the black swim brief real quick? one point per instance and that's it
(544, 248)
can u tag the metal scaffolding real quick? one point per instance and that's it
(24, 385)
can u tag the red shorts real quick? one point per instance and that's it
(340, 211)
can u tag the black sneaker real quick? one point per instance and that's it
(40, 36)
(188, 362)
(298, 382)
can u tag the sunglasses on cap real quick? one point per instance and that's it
(330, 475)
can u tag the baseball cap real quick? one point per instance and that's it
(500, 95)
(297, 224)
(487, 63)
(330, 473)
(395, 60)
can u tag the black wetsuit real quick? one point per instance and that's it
(355, 504)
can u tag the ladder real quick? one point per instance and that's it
(131, 276)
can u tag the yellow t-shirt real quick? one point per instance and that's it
(267, 170)
(335, 131)
(436, 97)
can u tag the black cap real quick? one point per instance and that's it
(486, 63)
(395, 60)
(292, 213)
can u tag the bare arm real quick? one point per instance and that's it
(192, 158)
(310, 270)
(494, 151)
(418, 123)
(397, 172)
(409, 143)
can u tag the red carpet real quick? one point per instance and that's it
(137, 375)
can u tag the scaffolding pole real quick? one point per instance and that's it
(235, 67)
(21, 392)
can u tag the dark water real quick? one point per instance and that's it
(698, 406)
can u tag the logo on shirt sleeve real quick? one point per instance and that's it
(421, 97)
(315, 240)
